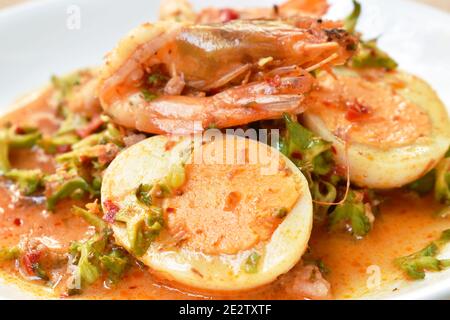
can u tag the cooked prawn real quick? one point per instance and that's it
(164, 77)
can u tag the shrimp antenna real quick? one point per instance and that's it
(323, 62)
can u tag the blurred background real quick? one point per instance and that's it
(442, 4)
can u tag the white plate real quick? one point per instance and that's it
(38, 40)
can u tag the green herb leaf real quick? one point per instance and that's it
(251, 264)
(72, 122)
(280, 213)
(424, 184)
(67, 189)
(28, 181)
(27, 139)
(7, 254)
(143, 194)
(94, 257)
(148, 96)
(143, 229)
(416, 264)
(39, 271)
(90, 217)
(306, 150)
(352, 215)
(9, 138)
(51, 144)
(156, 79)
(370, 56)
(85, 256)
(5, 165)
(66, 83)
(351, 20)
(115, 263)
(325, 192)
(442, 186)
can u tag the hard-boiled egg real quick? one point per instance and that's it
(389, 127)
(236, 213)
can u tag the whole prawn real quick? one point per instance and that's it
(180, 78)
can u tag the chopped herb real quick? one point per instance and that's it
(416, 264)
(86, 260)
(176, 177)
(162, 190)
(148, 96)
(110, 135)
(138, 236)
(115, 263)
(323, 268)
(15, 137)
(39, 271)
(323, 192)
(155, 218)
(28, 181)
(90, 217)
(305, 149)
(444, 213)
(5, 165)
(95, 257)
(51, 145)
(438, 180)
(424, 184)
(442, 186)
(143, 229)
(27, 137)
(72, 122)
(66, 83)
(143, 194)
(156, 79)
(352, 215)
(370, 56)
(351, 21)
(251, 264)
(281, 213)
(7, 254)
(67, 189)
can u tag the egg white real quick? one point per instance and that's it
(385, 168)
(149, 161)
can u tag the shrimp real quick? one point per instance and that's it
(165, 77)
(181, 10)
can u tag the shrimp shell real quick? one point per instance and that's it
(208, 59)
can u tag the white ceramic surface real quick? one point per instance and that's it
(36, 42)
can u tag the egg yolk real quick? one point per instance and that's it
(367, 110)
(226, 208)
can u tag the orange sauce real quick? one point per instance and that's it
(404, 225)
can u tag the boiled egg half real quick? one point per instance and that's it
(237, 215)
(388, 128)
